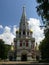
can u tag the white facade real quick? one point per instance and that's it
(24, 43)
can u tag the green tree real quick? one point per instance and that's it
(2, 49)
(7, 48)
(44, 48)
(43, 11)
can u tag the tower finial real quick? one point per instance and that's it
(24, 13)
(24, 8)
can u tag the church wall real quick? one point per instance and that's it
(24, 42)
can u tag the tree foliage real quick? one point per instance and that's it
(44, 48)
(4, 48)
(7, 48)
(43, 11)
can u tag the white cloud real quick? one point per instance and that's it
(7, 35)
(7, 29)
(34, 24)
(1, 26)
(14, 29)
(38, 33)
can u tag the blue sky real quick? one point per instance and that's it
(11, 10)
(10, 15)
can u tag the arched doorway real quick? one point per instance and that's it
(10, 58)
(24, 57)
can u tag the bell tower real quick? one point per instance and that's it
(24, 26)
(24, 42)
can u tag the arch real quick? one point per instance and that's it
(24, 56)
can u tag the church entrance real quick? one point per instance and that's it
(24, 57)
(10, 58)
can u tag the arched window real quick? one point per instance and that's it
(27, 33)
(23, 32)
(20, 43)
(19, 34)
(26, 43)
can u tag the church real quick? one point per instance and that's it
(24, 43)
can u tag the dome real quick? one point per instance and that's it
(17, 31)
(31, 31)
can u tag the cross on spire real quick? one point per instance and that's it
(23, 13)
(23, 9)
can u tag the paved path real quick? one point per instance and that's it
(22, 63)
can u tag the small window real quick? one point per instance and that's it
(19, 33)
(20, 44)
(23, 32)
(26, 44)
(27, 33)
